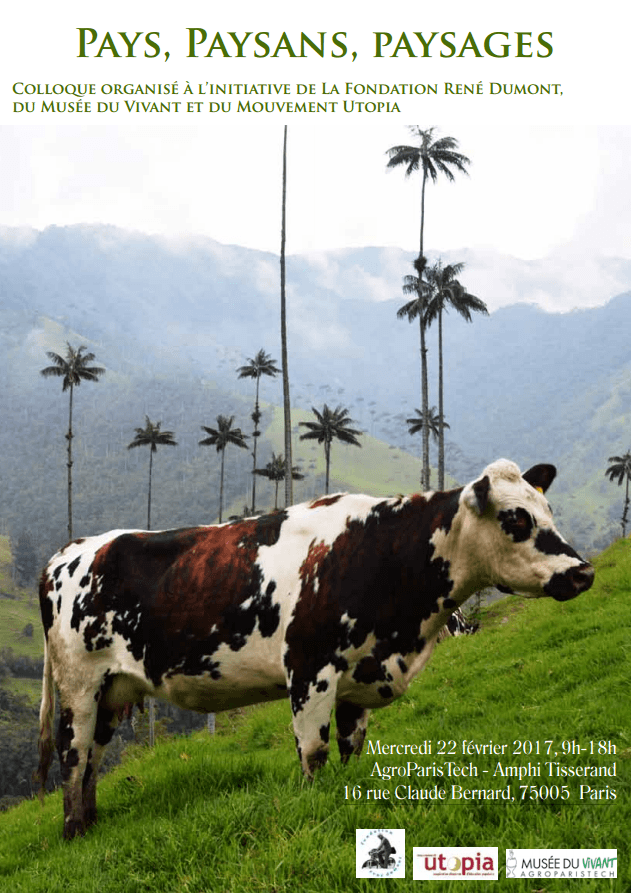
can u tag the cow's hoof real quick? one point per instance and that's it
(316, 760)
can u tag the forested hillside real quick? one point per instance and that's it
(171, 322)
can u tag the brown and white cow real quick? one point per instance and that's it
(336, 603)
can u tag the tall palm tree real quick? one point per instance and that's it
(417, 309)
(153, 437)
(283, 328)
(261, 364)
(621, 471)
(275, 471)
(73, 368)
(432, 157)
(444, 291)
(330, 425)
(220, 437)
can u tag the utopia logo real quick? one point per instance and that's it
(380, 852)
(457, 863)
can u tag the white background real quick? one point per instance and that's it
(549, 174)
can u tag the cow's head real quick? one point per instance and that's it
(516, 542)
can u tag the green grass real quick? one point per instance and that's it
(29, 688)
(233, 813)
(16, 613)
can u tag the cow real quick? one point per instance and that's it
(336, 603)
(457, 625)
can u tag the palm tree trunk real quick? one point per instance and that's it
(255, 437)
(152, 701)
(327, 456)
(425, 474)
(626, 509)
(422, 210)
(69, 436)
(425, 408)
(149, 493)
(441, 430)
(283, 335)
(223, 453)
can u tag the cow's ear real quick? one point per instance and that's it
(476, 495)
(540, 476)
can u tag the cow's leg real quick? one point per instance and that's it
(106, 722)
(311, 706)
(351, 722)
(75, 736)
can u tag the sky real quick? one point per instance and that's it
(532, 193)
(530, 189)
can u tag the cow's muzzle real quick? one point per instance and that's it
(562, 587)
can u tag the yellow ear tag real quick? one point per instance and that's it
(540, 489)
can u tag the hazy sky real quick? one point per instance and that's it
(530, 189)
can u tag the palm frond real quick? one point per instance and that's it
(152, 436)
(224, 434)
(261, 364)
(73, 368)
(331, 424)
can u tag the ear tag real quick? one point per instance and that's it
(540, 489)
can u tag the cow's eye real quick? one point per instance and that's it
(516, 523)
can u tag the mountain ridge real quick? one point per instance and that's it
(173, 319)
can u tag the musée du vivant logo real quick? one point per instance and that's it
(561, 863)
(380, 852)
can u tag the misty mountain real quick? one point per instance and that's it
(171, 320)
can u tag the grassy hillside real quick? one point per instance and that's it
(232, 813)
(18, 608)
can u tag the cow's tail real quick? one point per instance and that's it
(46, 743)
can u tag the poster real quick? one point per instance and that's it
(142, 160)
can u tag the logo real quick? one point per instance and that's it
(562, 863)
(456, 863)
(380, 852)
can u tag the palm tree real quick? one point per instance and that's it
(444, 291)
(261, 364)
(621, 471)
(417, 308)
(283, 328)
(331, 424)
(433, 157)
(153, 437)
(73, 368)
(430, 423)
(220, 437)
(275, 471)
(417, 423)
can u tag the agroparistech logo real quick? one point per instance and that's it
(456, 863)
(561, 863)
(380, 852)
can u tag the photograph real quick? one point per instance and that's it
(378, 633)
